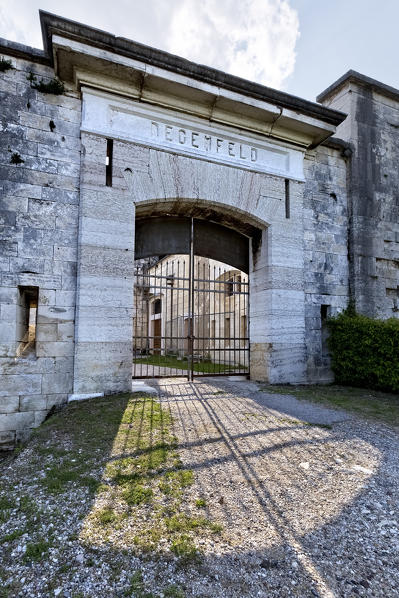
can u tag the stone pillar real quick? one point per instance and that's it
(277, 313)
(104, 310)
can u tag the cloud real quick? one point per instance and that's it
(254, 39)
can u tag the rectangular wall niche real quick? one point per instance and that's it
(26, 321)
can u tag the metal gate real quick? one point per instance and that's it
(190, 317)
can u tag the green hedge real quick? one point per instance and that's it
(365, 352)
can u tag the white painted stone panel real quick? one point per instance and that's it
(177, 133)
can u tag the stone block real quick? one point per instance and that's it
(32, 403)
(259, 361)
(65, 298)
(105, 291)
(8, 349)
(98, 261)
(103, 367)
(57, 383)
(66, 331)
(9, 404)
(8, 313)
(16, 421)
(8, 295)
(7, 440)
(54, 314)
(27, 264)
(56, 400)
(47, 332)
(105, 324)
(108, 233)
(46, 297)
(40, 416)
(12, 385)
(8, 332)
(65, 253)
(43, 281)
(54, 349)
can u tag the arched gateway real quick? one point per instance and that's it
(191, 297)
(180, 150)
(168, 163)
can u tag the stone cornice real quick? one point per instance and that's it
(361, 80)
(163, 79)
(21, 51)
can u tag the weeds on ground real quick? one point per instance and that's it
(144, 487)
(137, 588)
(173, 591)
(118, 457)
(35, 551)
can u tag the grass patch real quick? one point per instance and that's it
(200, 503)
(184, 547)
(106, 516)
(12, 536)
(5, 503)
(137, 587)
(5, 509)
(168, 361)
(35, 551)
(137, 494)
(173, 591)
(371, 404)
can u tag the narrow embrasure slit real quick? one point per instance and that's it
(108, 163)
(26, 320)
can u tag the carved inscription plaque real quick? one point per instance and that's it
(178, 133)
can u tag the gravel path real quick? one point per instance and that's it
(307, 510)
(307, 497)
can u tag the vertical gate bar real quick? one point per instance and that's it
(221, 310)
(211, 343)
(240, 330)
(184, 305)
(135, 295)
(214, 318)
(201, 302)
(221, 324)
(235, 287)
(231, 297)
(191, 301)
(247, 348)
(225, 307)
(177, 312)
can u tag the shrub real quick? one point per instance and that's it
(54, 86)
(364, 351)
(5, 65)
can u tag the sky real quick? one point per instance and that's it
(298, 46)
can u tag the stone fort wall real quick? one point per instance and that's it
(39, 201)
(372, 129)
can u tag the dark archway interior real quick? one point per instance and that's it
(172, 234)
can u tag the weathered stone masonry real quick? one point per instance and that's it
(186, 140)
(39, 207)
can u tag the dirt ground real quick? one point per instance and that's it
(277, 498)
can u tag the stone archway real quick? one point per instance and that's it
(149, 182)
